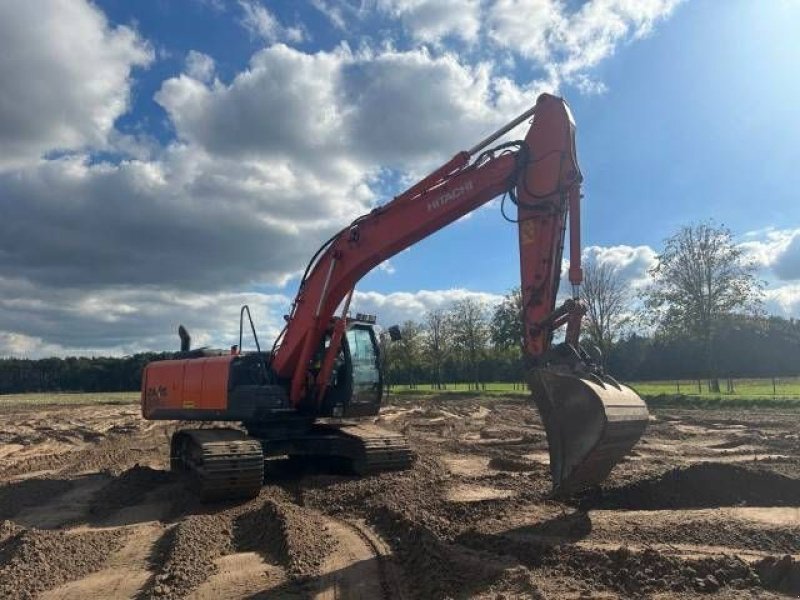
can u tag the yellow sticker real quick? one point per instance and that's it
(527, 232)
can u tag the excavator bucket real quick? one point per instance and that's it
(592, 422)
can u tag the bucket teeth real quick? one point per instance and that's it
(592, 422)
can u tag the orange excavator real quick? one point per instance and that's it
(304, 397)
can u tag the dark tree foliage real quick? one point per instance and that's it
(72, 374)
(506, 326)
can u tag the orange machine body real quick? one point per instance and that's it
(188, 387)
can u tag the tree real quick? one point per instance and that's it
(435, 343)
(506, 326)
(701, 278)
(469, 329)
(406, 353)
(608, 303)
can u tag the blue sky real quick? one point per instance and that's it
(168, 161)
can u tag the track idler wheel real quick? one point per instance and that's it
(592, 422)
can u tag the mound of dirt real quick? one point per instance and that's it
(647, 572)
(33, 561)
(128, 489)
(701, 530)
(699, 486)
(440, 569)
(621, 570)
(187, 552)
(285, 534)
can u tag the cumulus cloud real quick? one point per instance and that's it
(327, 107)
(37, 321)
(632, 263)
(66, 77)
(398, 307)
(106, 257)
(567, 41)
(777, 251)
(187, 221)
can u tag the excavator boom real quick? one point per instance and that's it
(591, 420)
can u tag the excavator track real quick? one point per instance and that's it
(367, 448)
(376, 450)
(220, 464)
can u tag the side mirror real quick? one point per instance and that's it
(394, 333)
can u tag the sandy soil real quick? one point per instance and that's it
(708, 504)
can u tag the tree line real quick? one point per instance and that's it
(701, 310)
(699, 317)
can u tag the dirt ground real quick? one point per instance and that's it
(708, 504)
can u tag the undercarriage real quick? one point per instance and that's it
(228, 464)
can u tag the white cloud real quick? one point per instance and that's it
(783, 300)
(66, 77)
(329, 109)
(777, 251)
(200, 66)
(431, 20)
(125, 320)
(333, 11)
(109, 257)
(632, 263)
(568, 42)
(387, 267)
(259, 21)
(398, 307)
(187, 220)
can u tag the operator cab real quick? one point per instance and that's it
(356, 388)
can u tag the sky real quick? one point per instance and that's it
(165, 162)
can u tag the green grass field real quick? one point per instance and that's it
(70, 398)
(750, 388)
(747, 392)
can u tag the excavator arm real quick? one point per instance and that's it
(540, 174)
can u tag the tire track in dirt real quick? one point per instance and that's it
(240, 575)
(360, 568)
(132, 505)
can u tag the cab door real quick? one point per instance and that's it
(362, 354)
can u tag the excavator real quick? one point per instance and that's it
(312, 394)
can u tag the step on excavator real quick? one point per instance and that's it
(312, 394)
